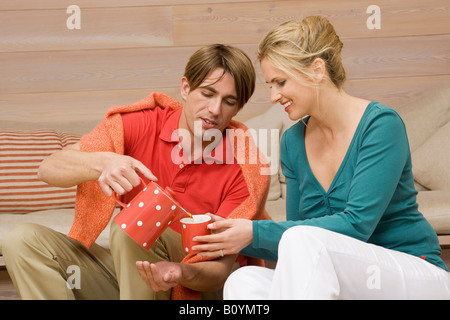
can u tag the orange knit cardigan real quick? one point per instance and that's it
(93, 209)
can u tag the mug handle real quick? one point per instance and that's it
(123, 205)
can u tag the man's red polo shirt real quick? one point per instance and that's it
(215, 187)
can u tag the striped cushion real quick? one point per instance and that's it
(21, 152)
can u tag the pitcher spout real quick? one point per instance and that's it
(184, 214)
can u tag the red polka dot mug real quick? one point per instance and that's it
(149, 213)
(197, 225)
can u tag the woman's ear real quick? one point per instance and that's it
(319, 69)
(185, 88)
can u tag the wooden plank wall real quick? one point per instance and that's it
(128, 48)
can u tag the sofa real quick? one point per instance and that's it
(23, 144)
(23, 198)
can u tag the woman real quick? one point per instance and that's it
(353, 228)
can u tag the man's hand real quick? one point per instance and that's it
(160, 276)
(119, 173)
(114, 172)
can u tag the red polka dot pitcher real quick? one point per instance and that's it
(149, 213)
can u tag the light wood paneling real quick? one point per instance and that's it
(396, 57)
(153, 67)
(248, 23)
(85, 105)
(62, 4)
(51, 71)
(127, 48)
(92, 105)
(46, 30)
(394, 91)
(111, 24)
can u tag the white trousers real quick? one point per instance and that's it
(314, 263)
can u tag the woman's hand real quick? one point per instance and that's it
(229, 236)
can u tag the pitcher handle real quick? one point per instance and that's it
(123, 205)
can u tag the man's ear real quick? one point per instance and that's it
(319, 69)
(185, 88)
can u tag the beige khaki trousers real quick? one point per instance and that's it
(46, 264)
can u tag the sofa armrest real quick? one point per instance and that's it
(444, 241)
(435, 206)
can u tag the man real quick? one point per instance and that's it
(138, 141)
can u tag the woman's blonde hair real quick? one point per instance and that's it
(292, 46)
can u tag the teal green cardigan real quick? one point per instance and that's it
(372, 197)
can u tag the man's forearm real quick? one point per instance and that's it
(207, 276)
(69, 167)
